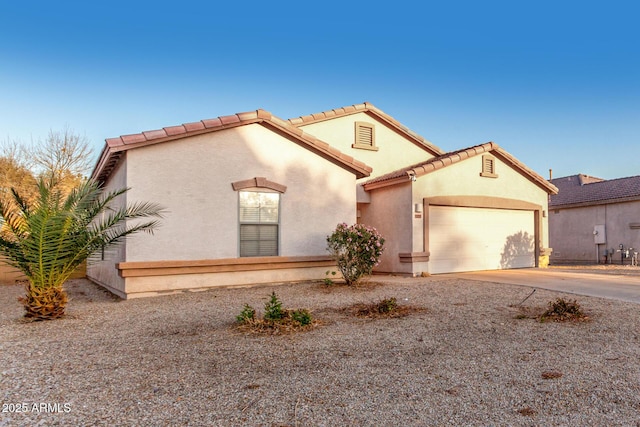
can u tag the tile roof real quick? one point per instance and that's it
(367, 107)
(114, 147)
(585, 190)
(444, 160)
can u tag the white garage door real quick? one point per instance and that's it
(471, 239)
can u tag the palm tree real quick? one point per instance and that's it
(47, 240)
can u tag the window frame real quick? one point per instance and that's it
(258, 223)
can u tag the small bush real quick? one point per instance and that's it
(247, 314)
(327, 280)
(387, 305)
(562, 310)
(356, 249)
(276, 319)
(302, 316)
(273, 308)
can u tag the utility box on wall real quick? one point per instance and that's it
(599, 235)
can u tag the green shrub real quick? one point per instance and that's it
(247, 314)
(273, 308)
(356, 249)
(302, 316)
(327, 280)
(276, 319)
(387, 305)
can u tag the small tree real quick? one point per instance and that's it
(356, 249)
(48, 239)
(63, 154)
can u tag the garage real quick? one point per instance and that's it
(471, 239)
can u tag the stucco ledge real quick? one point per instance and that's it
(413, 257)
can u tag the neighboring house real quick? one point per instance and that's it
(251, 198)
(591, 219)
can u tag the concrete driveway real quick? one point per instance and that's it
(604, 285)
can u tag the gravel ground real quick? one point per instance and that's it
(466, 359)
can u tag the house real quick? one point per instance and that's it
(594, 220)
(251, 198)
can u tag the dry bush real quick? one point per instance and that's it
(387, 307)
(562, 310)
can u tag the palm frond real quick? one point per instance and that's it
(51, 238)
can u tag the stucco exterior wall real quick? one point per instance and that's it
(392, 209)
(104, 272)
(571, 231)
(390, 213)
(395, 151)
(161, 285)
(192, 178)
(463, 179)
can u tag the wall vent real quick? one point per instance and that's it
(365, 137)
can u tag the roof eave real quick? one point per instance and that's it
(387, 183)
(596, 203)
(114, 146)
(534, 177)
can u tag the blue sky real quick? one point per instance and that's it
(556, 84)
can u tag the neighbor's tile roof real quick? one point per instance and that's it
(585, 190)
(442, 161)
(367, 107)
(114, 147)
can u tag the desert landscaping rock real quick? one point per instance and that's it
(463, 359)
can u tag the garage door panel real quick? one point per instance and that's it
(468, 239)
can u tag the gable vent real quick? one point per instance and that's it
(488, 166)
(365, 136)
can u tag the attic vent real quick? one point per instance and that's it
(488, 166)
(365, 136)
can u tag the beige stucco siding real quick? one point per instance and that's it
(390, 213)
(192, 178)
(463, 179)
(393, 209)
(395, 151)
(571, 231)
(105, 272)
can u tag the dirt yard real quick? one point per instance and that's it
(467, 357)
